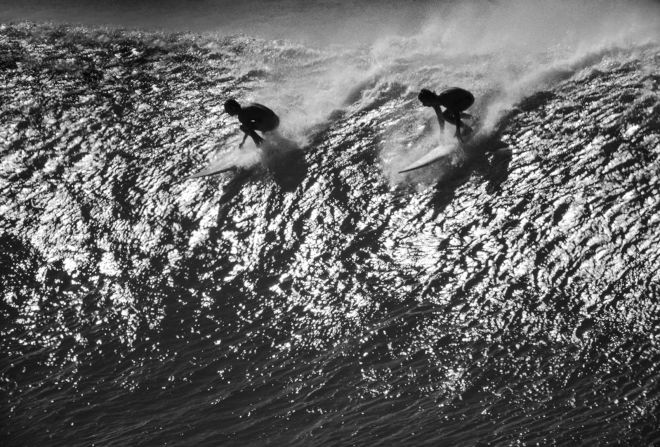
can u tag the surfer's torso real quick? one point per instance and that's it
(258, 117)
(456, 99)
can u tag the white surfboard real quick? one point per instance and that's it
(430, 158)
(235, 159)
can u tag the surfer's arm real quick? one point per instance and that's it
(441, 120)
(249, 132)
(244, 138)
(458, 128)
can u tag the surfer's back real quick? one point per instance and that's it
(259, 116)
(456, 99)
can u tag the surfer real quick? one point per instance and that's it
(455, 100)
(253, 117)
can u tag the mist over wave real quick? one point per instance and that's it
(502, 51)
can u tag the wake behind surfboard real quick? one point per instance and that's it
(212, 170)
(233, 160)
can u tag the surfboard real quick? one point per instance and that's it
(430, 158)
(469, 133)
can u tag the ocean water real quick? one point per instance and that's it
(320, 22)
(506, 295)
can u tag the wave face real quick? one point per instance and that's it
(507, 294)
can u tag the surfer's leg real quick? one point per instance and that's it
(454, 117)
(256, 138)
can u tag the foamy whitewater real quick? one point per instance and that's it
(505, 295)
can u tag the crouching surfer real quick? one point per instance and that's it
(252, 118)
(455, 100)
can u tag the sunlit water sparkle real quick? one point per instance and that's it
(499, 297)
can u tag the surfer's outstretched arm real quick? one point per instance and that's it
(251, 133)
(454, 117)
(441, 119)
(459, 123)
(458, 131)
(243, 142)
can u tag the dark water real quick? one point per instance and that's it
(506, 296)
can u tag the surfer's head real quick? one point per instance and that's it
(232, 107)
(427, 97)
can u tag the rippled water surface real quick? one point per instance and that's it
(505, 295)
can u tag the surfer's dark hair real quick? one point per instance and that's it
(232, 106)
(426, 95)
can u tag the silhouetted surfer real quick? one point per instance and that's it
(455, 100)
(253, 117)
